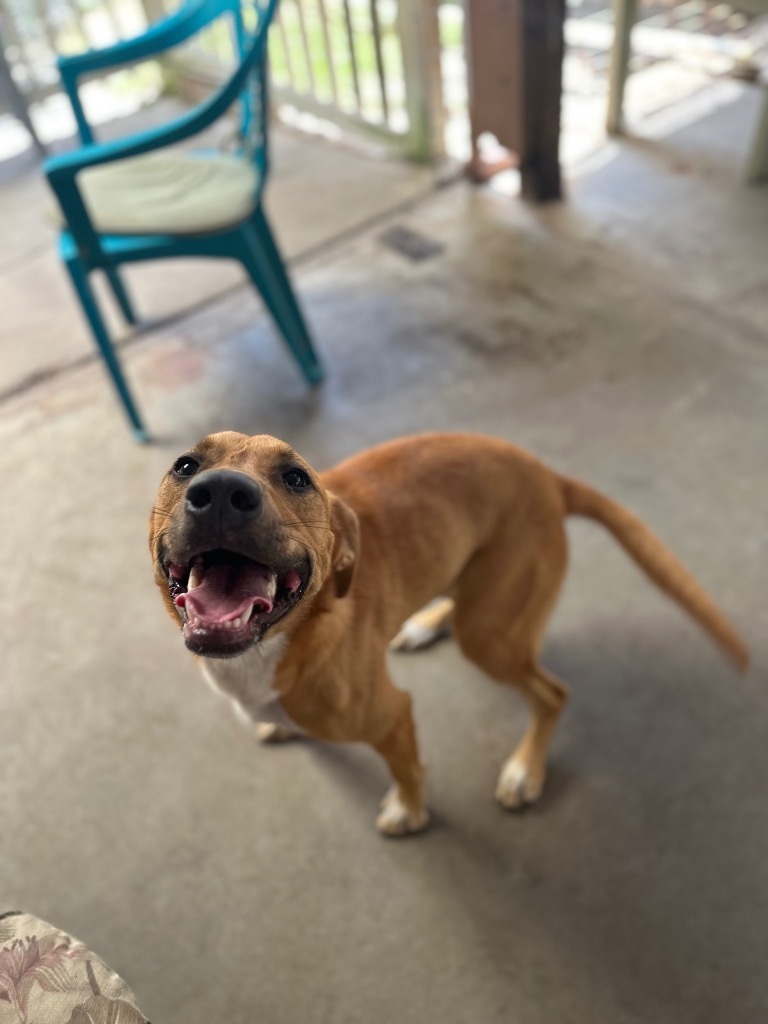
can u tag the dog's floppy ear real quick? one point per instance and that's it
(346, 543)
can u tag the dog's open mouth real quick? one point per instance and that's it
(228, 601)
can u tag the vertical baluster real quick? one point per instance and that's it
(41, 10)
(14, 37)
(328, 50)
(80, 16)
(305, 43)
(8, 87)
(79, 20)
(352, 54)
(112, 15)
(376, 27)
(286, 50)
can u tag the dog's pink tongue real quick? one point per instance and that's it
(227, 591)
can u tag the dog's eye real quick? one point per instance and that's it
(185, 466)
(297, 479)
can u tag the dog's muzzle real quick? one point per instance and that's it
(227, 590)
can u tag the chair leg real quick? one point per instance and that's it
(118, 290)
(624, 16)
(757, 168)
(264, 264)
(79, 276)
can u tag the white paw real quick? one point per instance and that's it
(396, 820)
(425, 627)
(267, 732)
(422, 629)
(413, 636)
(517, 786)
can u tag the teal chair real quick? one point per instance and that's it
(134, 199)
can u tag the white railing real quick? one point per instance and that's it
(394, 69)
(369, 65)
(34, 32)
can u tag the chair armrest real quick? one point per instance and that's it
(62, 170)
(68, 165)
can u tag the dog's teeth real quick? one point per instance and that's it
(195, 576)
(272, 586)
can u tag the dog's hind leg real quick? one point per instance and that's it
(522, 775)
(403, 810)
(502, 610)
(428, 625)
(269, 733)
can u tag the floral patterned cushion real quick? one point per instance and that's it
(47, 977)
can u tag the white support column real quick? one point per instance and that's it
(757, 167)
(625, 13)
(419, 29)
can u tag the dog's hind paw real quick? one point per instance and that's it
(396, 820)
(517, 785)
(413, 637)
(426, 627)
(268, 732)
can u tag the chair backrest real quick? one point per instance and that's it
(248, 84)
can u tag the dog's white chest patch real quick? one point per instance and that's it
(247, 680)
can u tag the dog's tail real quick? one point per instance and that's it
(658, 562)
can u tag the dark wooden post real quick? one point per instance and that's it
(515, 58)
(542, 60)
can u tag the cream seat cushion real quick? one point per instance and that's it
(174, 193)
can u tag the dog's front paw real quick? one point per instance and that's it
(518, 785)
(396, 820)
(267, 732)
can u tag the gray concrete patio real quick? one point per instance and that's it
(622, 336)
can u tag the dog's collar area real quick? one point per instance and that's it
(227, 602)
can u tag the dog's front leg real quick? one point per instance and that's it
(403, 810)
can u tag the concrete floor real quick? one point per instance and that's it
(623, 337)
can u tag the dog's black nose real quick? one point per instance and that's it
(223, 496)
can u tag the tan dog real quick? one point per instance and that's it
(301, 579)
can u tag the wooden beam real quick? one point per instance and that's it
(542, 84)
(515, 56)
